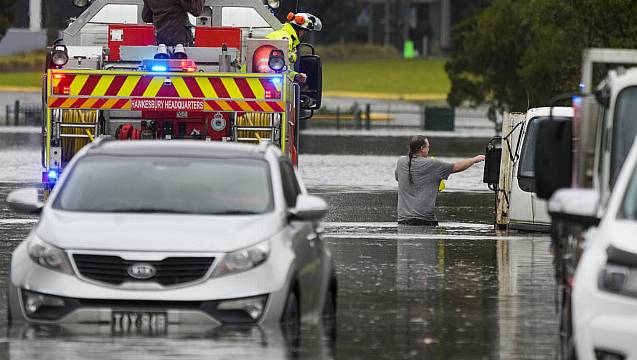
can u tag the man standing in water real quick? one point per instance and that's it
(418, 180)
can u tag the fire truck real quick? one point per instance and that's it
(106, 76)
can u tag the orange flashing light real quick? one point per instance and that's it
(290, 16)
(58, 76)
(299, 19)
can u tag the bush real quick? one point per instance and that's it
(357, 51)
(23, 62)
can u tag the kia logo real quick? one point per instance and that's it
(142, 271)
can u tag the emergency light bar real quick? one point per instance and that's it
(168, 65)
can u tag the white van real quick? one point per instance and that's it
(525, 210)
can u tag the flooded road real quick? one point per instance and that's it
(460, 291)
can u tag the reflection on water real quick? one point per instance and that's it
(459, 291)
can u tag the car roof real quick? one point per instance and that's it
(178, 148)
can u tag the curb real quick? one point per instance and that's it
(18, 89)
(385, 96)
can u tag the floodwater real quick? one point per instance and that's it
(460, 291)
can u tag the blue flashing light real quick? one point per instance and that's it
(52, 175)
(577, 101)
(159, 68)
(276, 81)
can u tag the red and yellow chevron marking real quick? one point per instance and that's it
(127, 104)
(113, 85)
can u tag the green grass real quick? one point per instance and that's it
(397, 76)
(21, 79)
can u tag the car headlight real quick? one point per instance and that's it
(48, 256)
(244, 260)
(619, 280)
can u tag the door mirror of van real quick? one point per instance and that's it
(309, 208)
(577, 206)
(312, 90)
(492, 159)
(553, 157)
(25, 201)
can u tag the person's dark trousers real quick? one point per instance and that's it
(418, 222)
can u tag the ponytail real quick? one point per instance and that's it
(411, 179)
(415, 144)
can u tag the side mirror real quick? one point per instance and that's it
(575, 205)
(25, 201)
(309, 208)
(493, 157)
(553, 157)
(312, 90)
(81, 3)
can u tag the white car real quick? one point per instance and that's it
(605, 284)
(147, 234)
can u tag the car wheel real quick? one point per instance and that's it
(329, 309)
(567, 343)
(291, 313)
(291, 321)
(329, 312)
(9, 319)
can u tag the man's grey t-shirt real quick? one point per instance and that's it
(418, 200)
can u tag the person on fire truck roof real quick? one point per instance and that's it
(294, 31)
(170, 18)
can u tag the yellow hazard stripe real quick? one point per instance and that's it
(68, 103)
(232, 88)
(206, 88)
(128, 86)
(264, 105)
(224, 105)
(77, 84)
(89, 103)
(257, 88)
(244, 105)
(181, 87)
(153, 87)
(102, 85)
(109, 103)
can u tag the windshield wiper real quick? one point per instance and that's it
(236, 212)
(148, 211)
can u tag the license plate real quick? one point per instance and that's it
(134, 322)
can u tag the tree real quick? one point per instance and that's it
(517, 54)
(6, 16)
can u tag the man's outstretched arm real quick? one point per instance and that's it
(464, 164)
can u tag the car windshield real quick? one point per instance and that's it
(624, 129)
(167, 185)
(629, 205)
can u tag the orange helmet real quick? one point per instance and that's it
(305, 21)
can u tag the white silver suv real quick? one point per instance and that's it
(605, 284)
(143, 235)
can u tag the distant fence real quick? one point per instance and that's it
(22, 115)
(386, 115)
